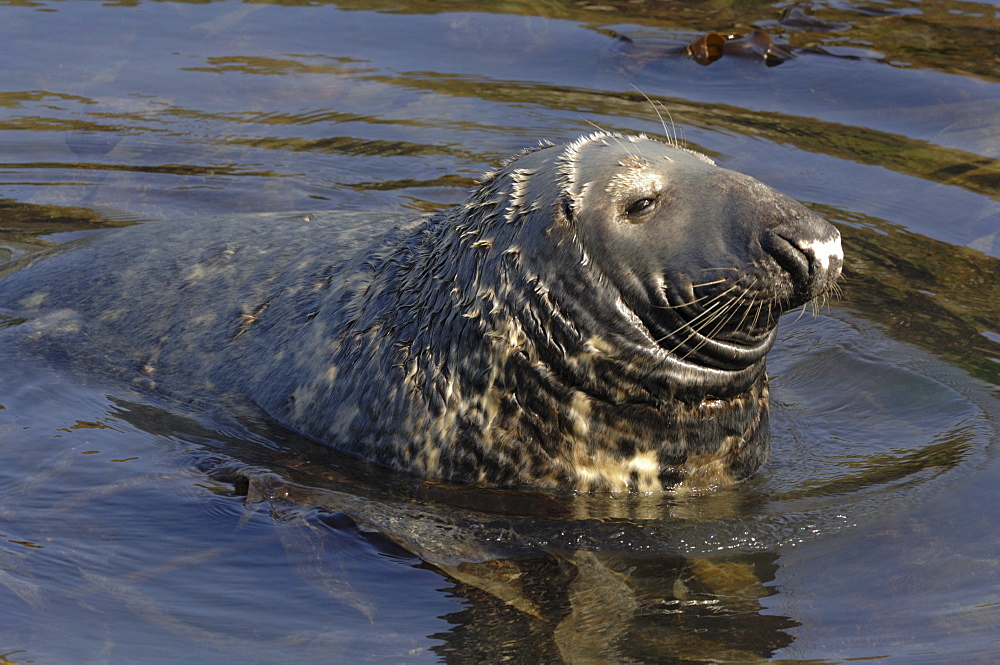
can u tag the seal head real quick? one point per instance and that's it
(706, 258)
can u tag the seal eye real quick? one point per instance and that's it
(639, 206)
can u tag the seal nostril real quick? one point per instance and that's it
(788, 255)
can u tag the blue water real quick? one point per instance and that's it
(167, 525)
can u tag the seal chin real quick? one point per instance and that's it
(698, 379)
(730, 354)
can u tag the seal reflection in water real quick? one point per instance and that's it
(594, 316)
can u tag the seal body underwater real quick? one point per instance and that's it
(595, 316)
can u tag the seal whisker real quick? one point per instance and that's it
(710, 315)
(728, 310)
(699, 299)
(688, 303)
(719, 312)
(682, 343)
(735, 306)
(666, 132)
(726, 292)
(802, 311)
(723, 315)
(678, 331)
(633, 155)
(617, 138)
(717, 281)
(709, 304)
(760, 304)
(746, 313)
(675, 140)
(760, 310)
(602, 130)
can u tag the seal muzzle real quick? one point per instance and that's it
(809, 251)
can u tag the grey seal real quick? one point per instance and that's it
(594, 316)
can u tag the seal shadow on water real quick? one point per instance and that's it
(595, 316)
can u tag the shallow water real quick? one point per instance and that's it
(164, 526)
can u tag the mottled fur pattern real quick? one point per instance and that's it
(509, 340)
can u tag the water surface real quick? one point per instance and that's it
(157, 526)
